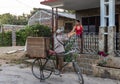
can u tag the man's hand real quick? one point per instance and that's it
(71, 34)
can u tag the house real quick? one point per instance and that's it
(44, 17)
(100, 17)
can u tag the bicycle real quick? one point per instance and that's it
(41, 71)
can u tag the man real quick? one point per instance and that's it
(59, 38)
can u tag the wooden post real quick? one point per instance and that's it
(60, 59)
(53, 28)
(82, 46)
(56, 17)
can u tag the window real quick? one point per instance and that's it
(68, 27)
(91, 24)
(85, 24)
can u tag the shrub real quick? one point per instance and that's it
(21, 35)
(40, 30)
(34, 30)
(6, 39)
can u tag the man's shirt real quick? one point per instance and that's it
(59, 42)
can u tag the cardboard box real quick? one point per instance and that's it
(37, 47)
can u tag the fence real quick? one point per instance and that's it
(117, 44)
(89, 43)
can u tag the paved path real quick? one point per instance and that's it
(14, 74)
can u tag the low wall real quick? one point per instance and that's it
(106, 72)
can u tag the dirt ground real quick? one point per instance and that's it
(13, 71)
(6, 56)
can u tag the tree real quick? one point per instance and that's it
(13, 20)
(6, 18)
(21, 20)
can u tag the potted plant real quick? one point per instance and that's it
(104, 57)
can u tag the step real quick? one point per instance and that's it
(89, 56)
(86, 60)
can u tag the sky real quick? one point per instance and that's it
(18, 7)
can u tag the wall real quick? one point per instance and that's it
(62, 21)
(87, 12)
(7, 28)
(93, 12)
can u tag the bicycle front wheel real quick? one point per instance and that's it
(78, 72)
(39, 70)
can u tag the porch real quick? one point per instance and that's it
(99, 19)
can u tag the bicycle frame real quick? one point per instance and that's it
(54, 67)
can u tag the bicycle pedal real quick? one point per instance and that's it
(60, 75)
(57, 72)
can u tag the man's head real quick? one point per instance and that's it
(60, 30)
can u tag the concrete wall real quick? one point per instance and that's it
(63, 20)
(7, 28)
(87, 13)
(93, 12)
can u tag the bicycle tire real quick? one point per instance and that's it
(78, 72)
(39, 71)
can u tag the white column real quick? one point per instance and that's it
(111, 28)
(102, 14)
(111, 12)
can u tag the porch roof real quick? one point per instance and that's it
(74, 4)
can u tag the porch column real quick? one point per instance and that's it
(102, 26)
(111, 40)
(111, 28)
(107, 30)
(101, 39)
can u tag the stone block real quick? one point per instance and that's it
(105, 72)
(111, 34)
(101, 38)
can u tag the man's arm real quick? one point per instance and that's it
(71, 34)
(66, 37)
(73, 29)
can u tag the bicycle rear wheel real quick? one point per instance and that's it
(78, 72)
(39, 69)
